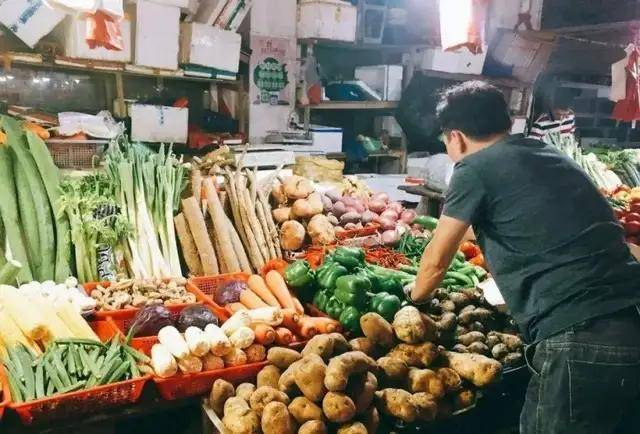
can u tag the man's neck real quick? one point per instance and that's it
(478, 145)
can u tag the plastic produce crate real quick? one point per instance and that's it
(355, 233)
(82, 402)
(128, 313)
(187, 385)
(207, 285)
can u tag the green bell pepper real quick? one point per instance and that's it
(299, 275)
(350, 320)
(320, 300)
(352, 290)
(334, 307)
(349, 257)
(328, 273)
(391, 285)
(373, 278)
(385, 304)
(427, 222)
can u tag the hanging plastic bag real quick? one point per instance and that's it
(103, 30)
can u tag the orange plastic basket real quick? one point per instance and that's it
(355, 233)
(82, 402)
(4, 394)
(128, 313)
(208, 285)
(187, 385)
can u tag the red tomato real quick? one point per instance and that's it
(632, 217)
(632, 228)
(631, 239)
(635, 207)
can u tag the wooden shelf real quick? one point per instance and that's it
(357, 46)
(36, 61)
(353, 105)
(500, 81)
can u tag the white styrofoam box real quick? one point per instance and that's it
(387, 123)
(326, 139)
(388, 184)
(157, 35)
(519, 125)
(327, 19)
(30, 20)
(71, 35)
(156, 123)
(264, 22)
(386, 80)
(209, 46)
(461, 61)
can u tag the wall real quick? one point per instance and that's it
(272, 19)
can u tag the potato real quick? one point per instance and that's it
(292, 235)
(471, 337)
(255, 353)
(340, 344)
(477, 326)
(287, 381)
(464, 399)
(362, 390)
(394, 371)
(365, 345)
(268, 376)
(322, 345)
(397, 403)
(478, 348)
(478, 314)
(408, 325)
(321, 230)
(493, 340)
(419, 356)
(282, 357)
(377, 329)
(304, 410)
(459, 348)
(264, 395)
(353, 428)
(309, 377)
(476, 368)
(447, 321)
(315, 200)
(297, 187)
(350, 217)
(301, 209)
(512, 359)
(245, 390)
(279, 195)
(281, 215)
(425, 380)
(371, 419)
(513, 342)
(313, 427)
(450, 379)
(460, 299)
(426, 406)
(344, 365)
(431, 328)
(338, 407)
(277, 420)
(448, 306)
(239, 418)
(220, 392)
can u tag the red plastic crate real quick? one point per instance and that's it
(4, 394)
(187, 385)
(82, 402)
(208, 285)
(127, 313)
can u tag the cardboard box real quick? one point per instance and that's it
(386, 80)
(157, 35)
(155, 123)
(204, 45)
(461, 61)
(71, 35)
(327, 19)
(326, 139)
(30, 20)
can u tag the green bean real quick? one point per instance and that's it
(116, 374)
(40, 390)
(16, 393)
(75, 386)
(28, 377)
(137, 354)
(62, 372)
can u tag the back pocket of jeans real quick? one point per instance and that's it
(601, 391)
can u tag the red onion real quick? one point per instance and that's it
(396, 206)
(387, 224)
(333, 195)
(377, 206)
(390, 214)
(350, 226)
(359, 206)
(368, 216)
(407, 216)
(390, 238)
(338, 209)
(348, 201)
(327, 204)
(381, 196)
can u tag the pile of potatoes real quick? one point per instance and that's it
(468, 324)
(335, 385)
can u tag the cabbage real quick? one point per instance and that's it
(150, 319)
(196, 316)
(229, 292)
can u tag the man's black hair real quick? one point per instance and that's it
(476, 108)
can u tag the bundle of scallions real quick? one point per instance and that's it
(148, 186)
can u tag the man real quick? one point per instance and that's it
(558, 255)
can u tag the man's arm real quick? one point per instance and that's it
(635, 250)
(437, 257)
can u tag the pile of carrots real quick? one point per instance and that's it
(272, 291)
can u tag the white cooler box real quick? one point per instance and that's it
(386, 80)
(157, 35)
(327, 19)
(71, 35)
(326, 139)
(209, 46)
(30, 20)
(461, 61)
(156, 123)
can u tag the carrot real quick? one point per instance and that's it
(265, 334)
(278, 287)
(234, 307)
(275, 264)
(307, 327)
(257, 285)
(284, 336)
(298, 305)
(326, 325)
(251, 300)
(291, 319)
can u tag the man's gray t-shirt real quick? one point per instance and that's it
(549, 237)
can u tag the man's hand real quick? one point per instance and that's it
(437, 257)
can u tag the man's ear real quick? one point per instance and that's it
(460, 141)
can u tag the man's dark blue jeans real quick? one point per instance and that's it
(586, 379)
